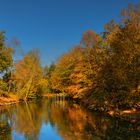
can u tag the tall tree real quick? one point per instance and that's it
(5, 54)
(27, 75)
(5, 64)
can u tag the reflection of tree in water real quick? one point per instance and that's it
(29, 119)
(57, 104)
(6, 123)
(71, 121)
(5, 131)
(119, 130)
(74, 123)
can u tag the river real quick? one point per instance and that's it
(54, 119)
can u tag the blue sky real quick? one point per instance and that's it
(54, 26)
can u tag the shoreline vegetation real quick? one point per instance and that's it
(102, 72)
(11, 99)
(127, 114)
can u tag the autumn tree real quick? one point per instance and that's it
(47, 74)
(61, 75)
(28, 74)
(90, 59)
(5, 54)
(5, 64)
(120, 74)
(104, 68)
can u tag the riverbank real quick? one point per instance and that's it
(13, 99)
(127, 114)
(50, 95)
(131, 115)
(8, 100)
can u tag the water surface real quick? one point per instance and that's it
(51, 119)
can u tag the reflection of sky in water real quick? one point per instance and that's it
(17, 136)
(47, 132)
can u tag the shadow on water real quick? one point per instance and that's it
(59, 119)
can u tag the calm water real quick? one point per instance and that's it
(52, 119)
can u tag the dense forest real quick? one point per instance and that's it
(102, 71)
